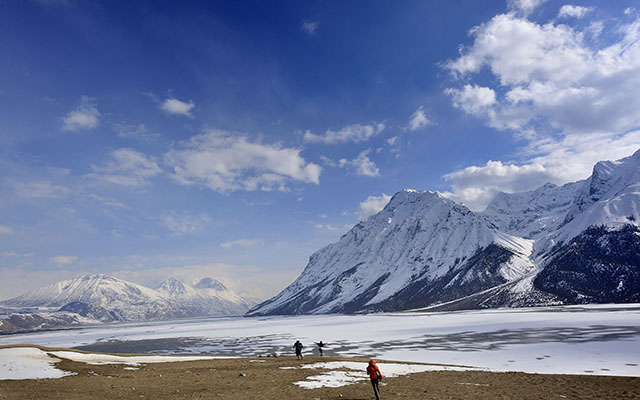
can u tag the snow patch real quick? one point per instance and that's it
(102, 359)
(356, 372)
(28, 363)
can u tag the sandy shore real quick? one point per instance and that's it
(264, 379)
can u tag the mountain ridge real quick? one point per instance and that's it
(423, 249)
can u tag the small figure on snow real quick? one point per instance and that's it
(298, 346)
(376, 376)
(320, 346)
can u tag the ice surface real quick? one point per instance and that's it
(604, 339)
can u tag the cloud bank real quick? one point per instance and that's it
(225, 162)
(572, 99)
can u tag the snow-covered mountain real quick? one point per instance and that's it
(205, 296)
(106, 298)
(531, 248)
(397, 258)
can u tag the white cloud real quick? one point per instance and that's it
(574, 101)
(241, 243)
(629, 10)
(551, 79)
(127, 167)
(63, 260)
(185, 224)
(548, 161)
(178, 107)
(474, 99)
(372, 205)
(226, 162)
(524, 6)
(310, 27)
(595, 29)
(328, 162)
(138, 132)
(419, 120)
(571, 11)
(40, 190)
(351, 133)
(85, 116)
(6, 230)
(361, 165)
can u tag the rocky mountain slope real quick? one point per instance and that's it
(565, 244)
(420, 238)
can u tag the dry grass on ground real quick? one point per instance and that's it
(242, 379)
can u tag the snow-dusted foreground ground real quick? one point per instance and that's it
(602, 340)
(33, 363)
(334, 374)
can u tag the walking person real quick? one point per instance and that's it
(298, 347)
(320, 346)
(376, 376)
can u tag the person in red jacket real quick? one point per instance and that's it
(376, 377)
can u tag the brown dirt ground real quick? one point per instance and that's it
(222, 379)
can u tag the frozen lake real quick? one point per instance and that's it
(601, 339)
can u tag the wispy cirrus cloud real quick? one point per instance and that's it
(310, 27)
(126, 167)
(84, 117)
(137, 132)
(185, 224)
(351, 133)
(225, 162)
(62, 261)
(39, 190)
(244, 242)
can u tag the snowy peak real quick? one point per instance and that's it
(174, 288)
(610, 197)
(419, 235)
(96, 289)
(529, 214)
(210, 283)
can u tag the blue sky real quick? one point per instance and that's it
(234, 139)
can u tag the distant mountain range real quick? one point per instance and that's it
(571, 244)
(102, 298)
